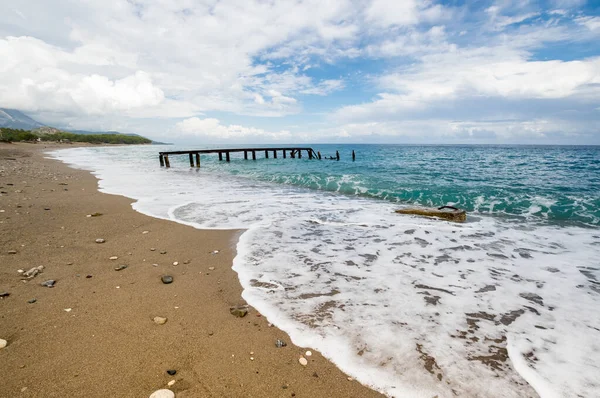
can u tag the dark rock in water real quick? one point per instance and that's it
(49, 283)
(171, 372)
(445, 212)
(166, 279)
(534, 298)
(4, 294)
(32, 301)
(280, 343)
(122, 267)
(486, 288)
(240, 312)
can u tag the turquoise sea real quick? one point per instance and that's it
(506, 303)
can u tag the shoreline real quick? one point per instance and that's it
(107, 344)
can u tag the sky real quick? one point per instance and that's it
(279, 71)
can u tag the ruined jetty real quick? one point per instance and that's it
(194, 155)
(449, 213)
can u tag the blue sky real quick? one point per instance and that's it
(404, 71)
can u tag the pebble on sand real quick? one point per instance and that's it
(280, 343)
(239, 311)
(171, 372)
(3, 343)
(211, 268)
(100, 240)
(176, 263)
(12, 252)
(4, 294)
(145, 232)
(171, 383)
(113, 258)
(166, 279)
(308, 353)
(48, 283)
(159, 320)
(303, 361)
(120, 267)
(164, 393)
(33, 271)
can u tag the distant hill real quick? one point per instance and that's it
(14, 119)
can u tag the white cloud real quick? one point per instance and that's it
(325, 87)
(386, 13)
(592, 23)
(32, 78)
(213, 128)
(200, 54)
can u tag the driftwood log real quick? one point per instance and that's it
(449, 213)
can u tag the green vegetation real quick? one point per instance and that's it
(12, 135)
(17, 135)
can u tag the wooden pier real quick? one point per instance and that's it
(195, 154)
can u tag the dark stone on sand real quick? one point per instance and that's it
(32, 301)
(46, 208)
(4, 294)
(48, 283)
(240, 312)
(171, 372)
(280, 343)
(88, 276)
(166, 279)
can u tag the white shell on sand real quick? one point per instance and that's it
(308, 353)
(171, 383)
(303, 361)
(164, 393)
(100, 240)
(113, 258)
(159, 320)
(3, 343)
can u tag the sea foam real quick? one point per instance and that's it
(410, 306)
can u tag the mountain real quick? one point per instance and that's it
(14, 119)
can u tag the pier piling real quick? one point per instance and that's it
(162, 160)
(197, 159)
(167, 161)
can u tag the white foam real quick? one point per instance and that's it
(409, 306)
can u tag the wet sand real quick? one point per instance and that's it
(93, 334)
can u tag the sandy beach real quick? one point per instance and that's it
(93, 333)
